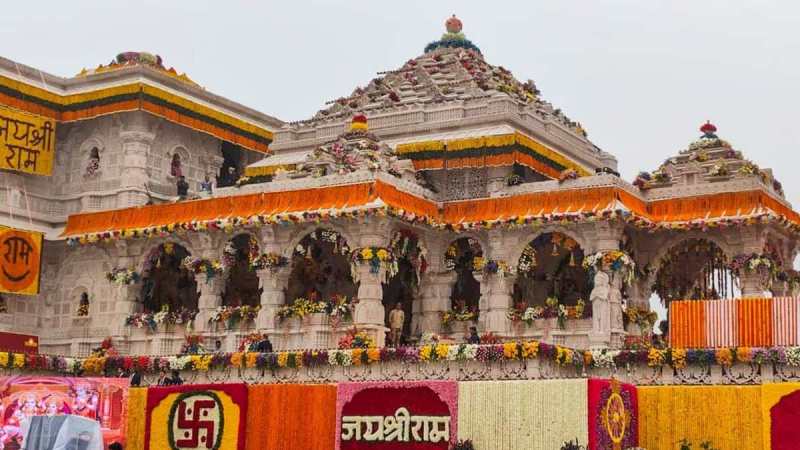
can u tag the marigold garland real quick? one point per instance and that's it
(728, 416)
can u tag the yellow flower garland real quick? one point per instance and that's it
(728, 416)
(134, 428)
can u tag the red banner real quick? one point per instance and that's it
(196, 417)
(613, 415)
(392, 416)
(19, 343)
(100, 399)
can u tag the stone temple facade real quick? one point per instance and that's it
(446, 186)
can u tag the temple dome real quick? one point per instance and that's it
(709, 159)
(451, 69)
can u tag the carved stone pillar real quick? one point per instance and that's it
(369, 311)
(210, 289)
(606, 297)
(136, 143)
(495, 302)
(751, 284)
(272, 284)
(436, 289)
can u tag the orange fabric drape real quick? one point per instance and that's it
(687, 320)
(403, 200)
(754, 319)
(240, 206)
(291, 417)
(728, 204)
(535, 204)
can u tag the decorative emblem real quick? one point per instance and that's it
(196, 422)
(19, 260)
(616, 419)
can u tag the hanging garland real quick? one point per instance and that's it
(456, 251)
(339, 242)
(406, 245)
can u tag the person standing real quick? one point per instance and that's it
(397, 318)
(473, 336)
(183, 188)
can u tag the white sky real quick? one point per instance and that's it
(641, 75)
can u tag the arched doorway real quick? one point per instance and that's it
(321, 268)
(694, 269)
(403, 287)
(166, 282)
(242, 284)
(460, 257)
(551, 267)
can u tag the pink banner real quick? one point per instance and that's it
(100, 399)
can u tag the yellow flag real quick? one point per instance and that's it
(27, 142)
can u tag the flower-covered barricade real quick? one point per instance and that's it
(186, 416)
(615, 260)
(203, 266)
(182, 316)
(432, 403)
(435, 351)
(230, 316)
(123, 276)
(379, 259)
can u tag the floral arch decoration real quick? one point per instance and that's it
(695, 268)
(405, 244)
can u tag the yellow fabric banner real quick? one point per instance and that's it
(27, 142)
(20, 258)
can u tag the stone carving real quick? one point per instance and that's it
(600, 296)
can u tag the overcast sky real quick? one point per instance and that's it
(640, 75)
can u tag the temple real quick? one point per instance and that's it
(445, 186)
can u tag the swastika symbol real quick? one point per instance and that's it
(196, 423)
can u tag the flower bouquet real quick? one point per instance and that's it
(339, 308)
(193, 345)
(123, 276)
(268, 261)
(141, 320)
(356, 339)
(202, 266)
(231, 315)
(377, 258)
(459, 314)
(616, 260)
